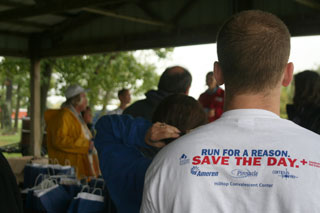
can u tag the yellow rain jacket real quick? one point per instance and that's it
(66, 140)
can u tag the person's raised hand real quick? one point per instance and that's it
(159, 131)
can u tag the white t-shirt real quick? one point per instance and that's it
(117, 111)
(249, 160)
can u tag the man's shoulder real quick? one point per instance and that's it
(66, 113)
(137, 104)
(220, 91)
(140, 108)
(223, 132)
(203, 95)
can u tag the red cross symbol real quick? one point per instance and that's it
(304, 162)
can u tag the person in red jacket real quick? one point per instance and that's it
(212, 99)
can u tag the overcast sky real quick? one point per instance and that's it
(199, 59)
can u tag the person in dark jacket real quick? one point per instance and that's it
(10, 198)
(119, 140)
(174, 79)
(305, 110)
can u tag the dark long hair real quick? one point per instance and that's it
(180, 111)
(307, 89)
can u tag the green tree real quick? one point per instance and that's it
(105, 74)
(15, 73)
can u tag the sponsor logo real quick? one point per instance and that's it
(284, 174)
(243, 173)
(194, 170)
(197, 172)
(184, 159)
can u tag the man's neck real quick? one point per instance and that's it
(212, 87)
(122, 106)
(269, 102)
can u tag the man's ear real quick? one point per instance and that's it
(288, 74)
(217, 72)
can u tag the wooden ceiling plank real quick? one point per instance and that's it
(52, 7)
(75, 22)
(239, 6)
(71, 24)
(309, 3)
(12, 3)
(14, 53)
(125, 17)
(29, 24)
(183, 11)
(144, 7)
(13, 33)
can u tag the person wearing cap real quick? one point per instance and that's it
(68, 138)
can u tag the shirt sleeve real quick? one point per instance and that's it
(118, 138)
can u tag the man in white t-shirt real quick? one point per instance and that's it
(125, 98)
(249, 160)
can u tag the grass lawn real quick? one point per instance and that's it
(7, 139)
(11, 155)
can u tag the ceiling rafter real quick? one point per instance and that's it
(186, 7)
(126, 17)
(29, 24)
(14, 33)
(144, 7)
(75, 22)
(70, 25)
(51, 7)
(242, 5)
(309, 3)
(12, 3)
(135, 41)
(15, 53)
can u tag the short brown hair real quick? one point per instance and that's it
(253, 49)
(122, 92)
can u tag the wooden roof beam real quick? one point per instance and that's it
(70, 24)
(144, 7)
(14, 33)
(309, 3)
(51, 7)
(29, 24)
(7, 3)
(183, 11)
(125, 17)
(81, 19)
(242, 5)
